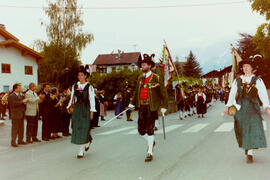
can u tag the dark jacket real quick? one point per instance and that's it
(46, 105)
(17, 107)
(158, 95)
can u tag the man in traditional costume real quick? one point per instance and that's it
(245, 94)
(149, 96)
(181, 102)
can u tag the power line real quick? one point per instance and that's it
(139, 7)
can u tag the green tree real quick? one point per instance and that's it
(262, 36)
(192, 67)
(66, 40)
(262, 7)
(246, 47)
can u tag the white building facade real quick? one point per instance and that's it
(18, 63)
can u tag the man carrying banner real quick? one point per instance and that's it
(149, 95)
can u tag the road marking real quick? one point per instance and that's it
(135, 131)
(169, 128)
(115, 131)
(225, 127)
(195, 128)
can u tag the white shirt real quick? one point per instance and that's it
(91, 96)
(200, 94)
(146, 75)
(262, 92)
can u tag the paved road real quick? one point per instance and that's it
(195, 149)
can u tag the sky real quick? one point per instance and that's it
(206, 30)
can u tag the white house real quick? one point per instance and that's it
(19, 63)
(107, 63)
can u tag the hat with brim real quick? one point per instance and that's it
(249, 61)
(147, 59)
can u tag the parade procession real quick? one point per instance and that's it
(134, 90)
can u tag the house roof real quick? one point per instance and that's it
(24, 49)
(12, 41)
(226, 69)
(211, 74)
(7, 35)
(112, 59)
(215, 73)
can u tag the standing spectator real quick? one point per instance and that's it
(32, 113)
(65, 116)
(127, 100)
(97, 113)
(4, 101)
(55, 118)
(45, 112)
(102, 104)
(221, 93)
(2, 106)
(200, 99)
(17, 107)
(118, 102)
(226, 94)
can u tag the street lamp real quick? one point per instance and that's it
(66, 73)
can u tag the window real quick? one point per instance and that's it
(28, 70)
(5, 68)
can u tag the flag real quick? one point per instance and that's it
(236, 58)
(168, 65)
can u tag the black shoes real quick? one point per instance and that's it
(80, 156)
(66, 134)
(155, 128)
(45, 139)
(22, 143)
(249, 159)
(14, 144)
(148, 158)
(36, 140)
(29, 141)
(87, 148)
(129, 120)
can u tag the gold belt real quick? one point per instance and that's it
(145, 102)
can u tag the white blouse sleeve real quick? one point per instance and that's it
(262, 92)
(204, 97)
(196, 98)
(71, 97)
(232, 96)
(92, 99)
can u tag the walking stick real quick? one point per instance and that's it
(163, 127)
(116, 116)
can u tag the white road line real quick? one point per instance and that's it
(115, 131)
(135, 131)
(169, 128)
(225, 127)
(195, 128)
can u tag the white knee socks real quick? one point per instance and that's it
(180, 114)
(150, 144)
(81, 150)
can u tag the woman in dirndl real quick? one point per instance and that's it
(200, 100)
(83, 99)
(246, 93)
